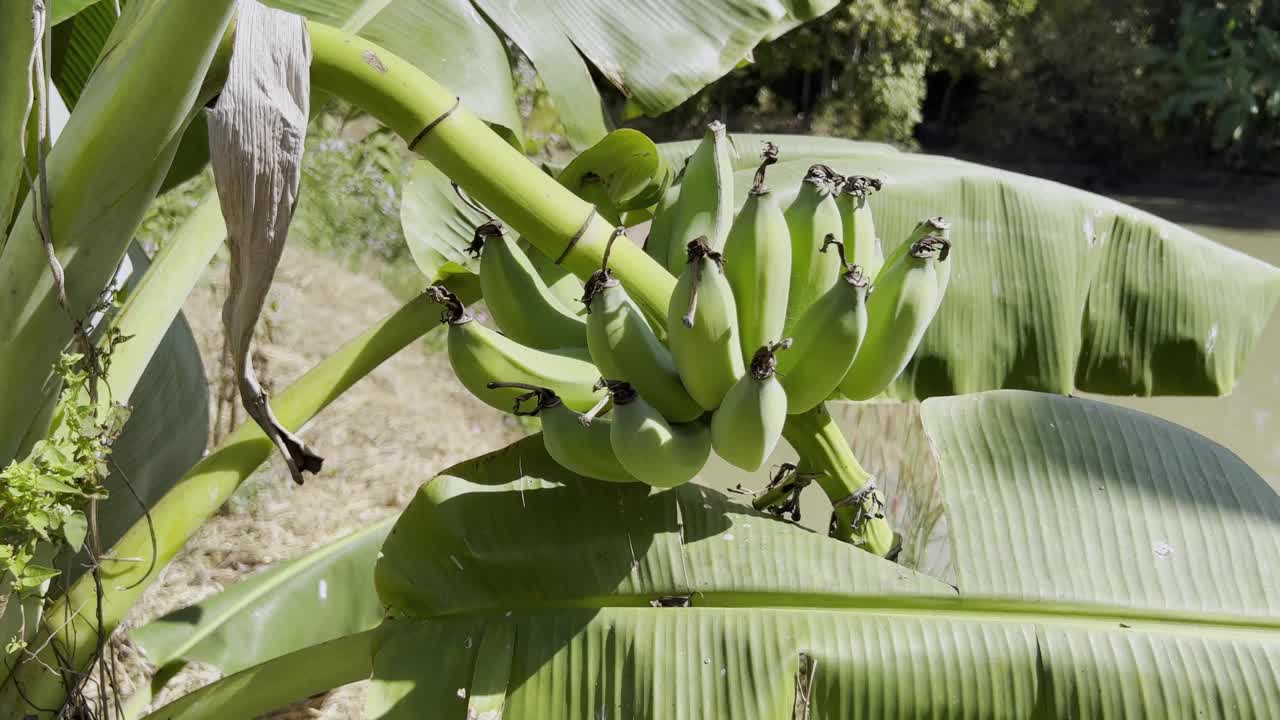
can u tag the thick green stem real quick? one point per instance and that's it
(823, 451)
(463, 147)
(195, 498)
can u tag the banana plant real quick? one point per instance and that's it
(622, 600)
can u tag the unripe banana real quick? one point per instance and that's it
(702, 327)
(903, 302)
(624, 347)
(936, 226)
(480, 356)
(860, 242)
(759, 268)
(811, 217)
(746, 427)
(565, 287)
(658, 244)
(521, 304)
(656, 452)
(706, 198)
(578, 443)
(826, 339)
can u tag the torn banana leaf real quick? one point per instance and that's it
(256, 134)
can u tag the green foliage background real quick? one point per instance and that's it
(1116, 84)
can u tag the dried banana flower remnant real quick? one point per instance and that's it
(256, 133)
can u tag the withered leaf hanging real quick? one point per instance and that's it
(256, 133)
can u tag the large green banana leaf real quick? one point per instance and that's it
(104, 171)
(657, 53)
(1109, 565)
(15, 54)
(321, 596)
(167, 431)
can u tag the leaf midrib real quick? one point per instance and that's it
(974, 609)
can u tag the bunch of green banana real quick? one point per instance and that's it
(827, 338)
(624, 347)
(747, 425)
(711, 375)
(860, 241)
(480, 356)
(759, 274)
(704, 207)
(521, 304)
(906, 295)
(811, 218)
(702, 327)
(578, 443)
(657, 452)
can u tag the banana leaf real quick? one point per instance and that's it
(103, 184)
(657, 54)
(257, 619)
(15, 53)
(1089, 547)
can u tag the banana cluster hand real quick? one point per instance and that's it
(775, 310)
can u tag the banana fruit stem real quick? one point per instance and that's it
(858, 516)
(492, 171)
(557, 222)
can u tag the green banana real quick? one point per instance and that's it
(656, 452)
(564, 285)
(624, 347)
(759, 267)
(706, 198)
(936, 226)
(826, 338)
(746, 427)
(904, 299)
(658, 244)
(579, 444)
(811, 217)
(702, 327)
(860, 241)
(519, 301)
(480, 356)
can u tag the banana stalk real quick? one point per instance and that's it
(857, 515)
